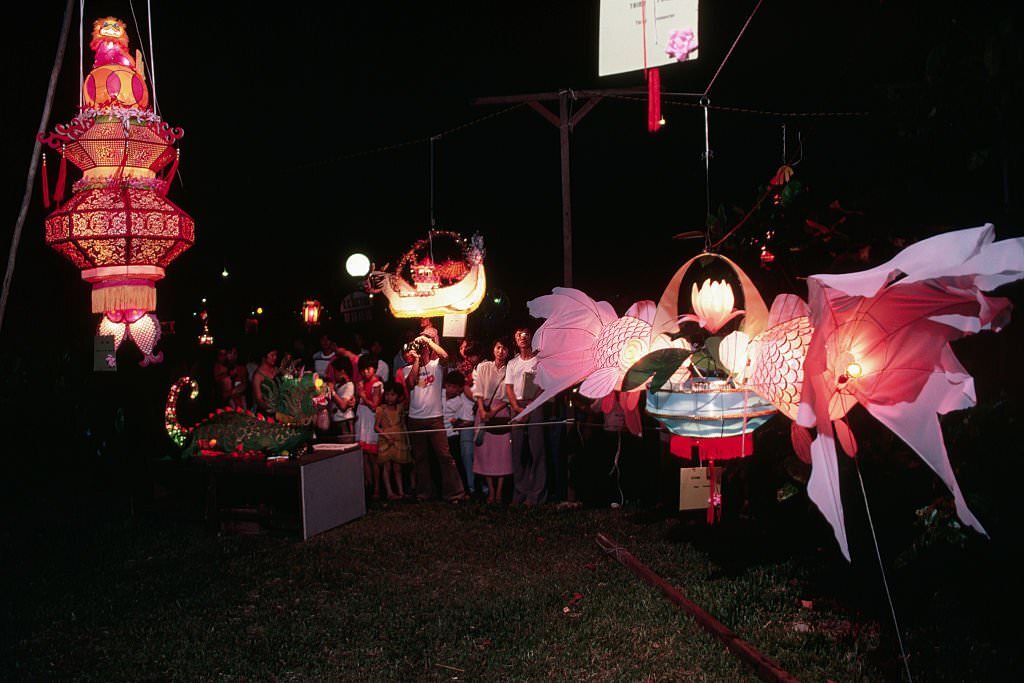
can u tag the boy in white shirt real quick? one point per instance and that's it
(459, 412)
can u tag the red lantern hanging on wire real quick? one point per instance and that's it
(118, 226)
(311, 313)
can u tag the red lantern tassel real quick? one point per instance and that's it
(120, 169)
(653, 100)
(62, 176)
(715, 498)
(169, 178)
(46, 185)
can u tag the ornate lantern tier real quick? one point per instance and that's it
(121, 240)
(127, 139)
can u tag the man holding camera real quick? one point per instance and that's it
(425, 381)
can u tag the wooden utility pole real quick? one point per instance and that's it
(565, 123)
(44, 122)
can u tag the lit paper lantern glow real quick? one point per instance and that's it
(880, 338)
(136, 325)
(118, 227)
(440, 275)
(311, 312)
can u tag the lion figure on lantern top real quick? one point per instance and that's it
(116, 77)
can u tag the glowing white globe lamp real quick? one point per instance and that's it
(357, 265)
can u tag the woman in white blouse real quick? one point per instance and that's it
(492, 456)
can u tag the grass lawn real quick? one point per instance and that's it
(437, 592)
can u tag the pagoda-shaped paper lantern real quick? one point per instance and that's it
(118, 226)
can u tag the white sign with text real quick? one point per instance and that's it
(670, 34)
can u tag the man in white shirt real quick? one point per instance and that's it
(529, 468)
(425, 380)
(323, 357)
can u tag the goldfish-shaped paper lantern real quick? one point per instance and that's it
(118, 226)
(880, 338)
(583, 340)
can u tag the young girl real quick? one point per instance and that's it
(370, 390)
(393, 451)
(343, 398)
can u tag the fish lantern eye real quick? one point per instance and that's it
(854, 370)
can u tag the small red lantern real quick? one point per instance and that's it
(311, 312)
(205, 338)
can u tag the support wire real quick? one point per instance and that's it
(885, 580)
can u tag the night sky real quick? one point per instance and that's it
(307, 128)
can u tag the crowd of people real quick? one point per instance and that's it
(432, 424)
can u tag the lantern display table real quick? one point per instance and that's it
(311, 494)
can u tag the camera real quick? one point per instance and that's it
(413, 346)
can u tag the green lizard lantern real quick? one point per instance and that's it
(295, 400)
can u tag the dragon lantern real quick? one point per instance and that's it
(118, 226)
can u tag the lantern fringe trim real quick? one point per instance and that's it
(124, 297)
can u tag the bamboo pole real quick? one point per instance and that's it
(33, 164)
(766, 669)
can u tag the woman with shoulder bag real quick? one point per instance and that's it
(492, 457)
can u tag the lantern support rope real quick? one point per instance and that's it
(738, 110)
(885, 580)
(743, 220)
(44, 122)
(152, 55)
(705, 103)
(483, 427)
(433, 220)
(81, 54)
(398, 145)
(150, 66)
(733, 47)
(616, 471)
